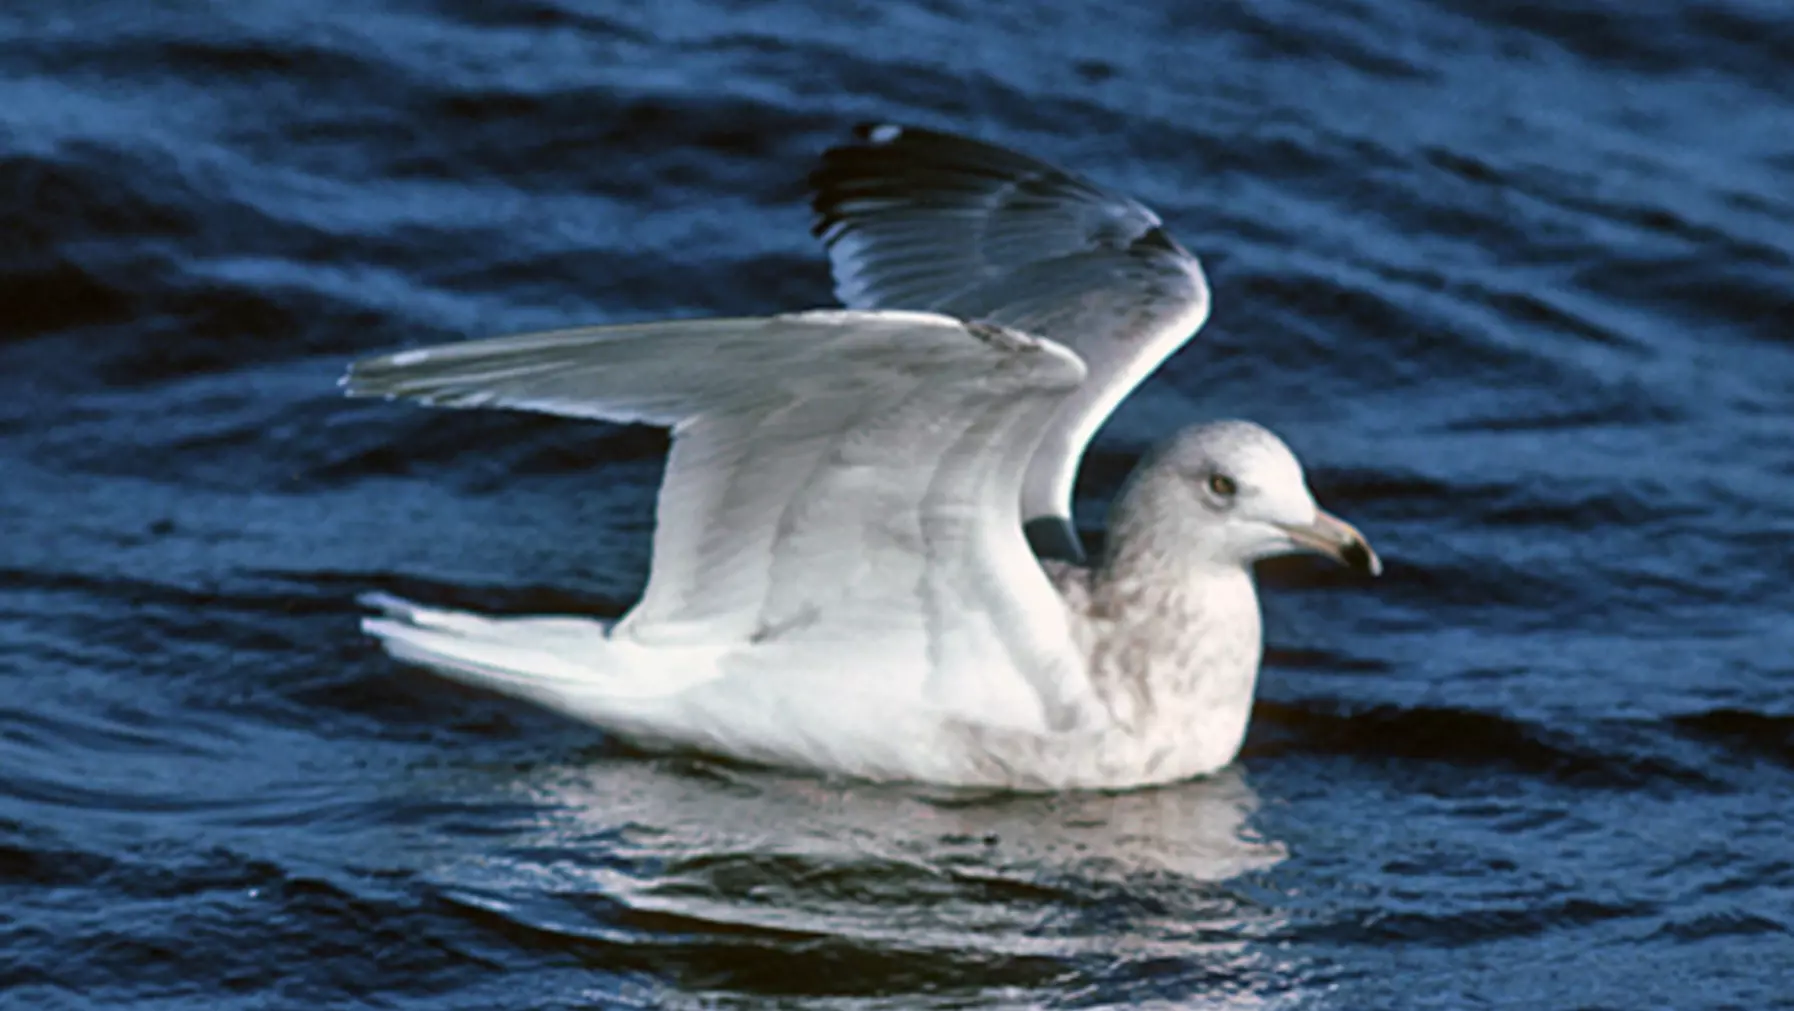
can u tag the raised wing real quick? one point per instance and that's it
(915, 219)
(835, 476)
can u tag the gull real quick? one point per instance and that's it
(864, 562)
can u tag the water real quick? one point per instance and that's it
(1514, 278)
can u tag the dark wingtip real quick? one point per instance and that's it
(837, 164)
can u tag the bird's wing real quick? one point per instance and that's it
(915, 219)
(843, 478)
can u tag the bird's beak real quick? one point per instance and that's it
(1331, 536)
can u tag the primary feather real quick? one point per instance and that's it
(917, 219)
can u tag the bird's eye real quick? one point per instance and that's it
(1223, 485)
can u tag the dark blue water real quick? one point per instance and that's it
(1514, 277)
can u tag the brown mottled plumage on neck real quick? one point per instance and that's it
(1169, 616)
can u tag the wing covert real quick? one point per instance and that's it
(833, 474)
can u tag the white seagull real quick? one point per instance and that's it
(842, 578)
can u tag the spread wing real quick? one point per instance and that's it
(915, 219)
(843, 477)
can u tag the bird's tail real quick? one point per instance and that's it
(568, 664)
(543, 659)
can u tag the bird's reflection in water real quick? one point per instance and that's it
(688, 849)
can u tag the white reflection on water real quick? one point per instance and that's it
(1120, 878)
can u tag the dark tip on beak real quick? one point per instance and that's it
(1360, 558)
(1329, 535)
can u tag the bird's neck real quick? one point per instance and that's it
(1175, 641)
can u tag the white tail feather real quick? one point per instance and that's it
(566, 663)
